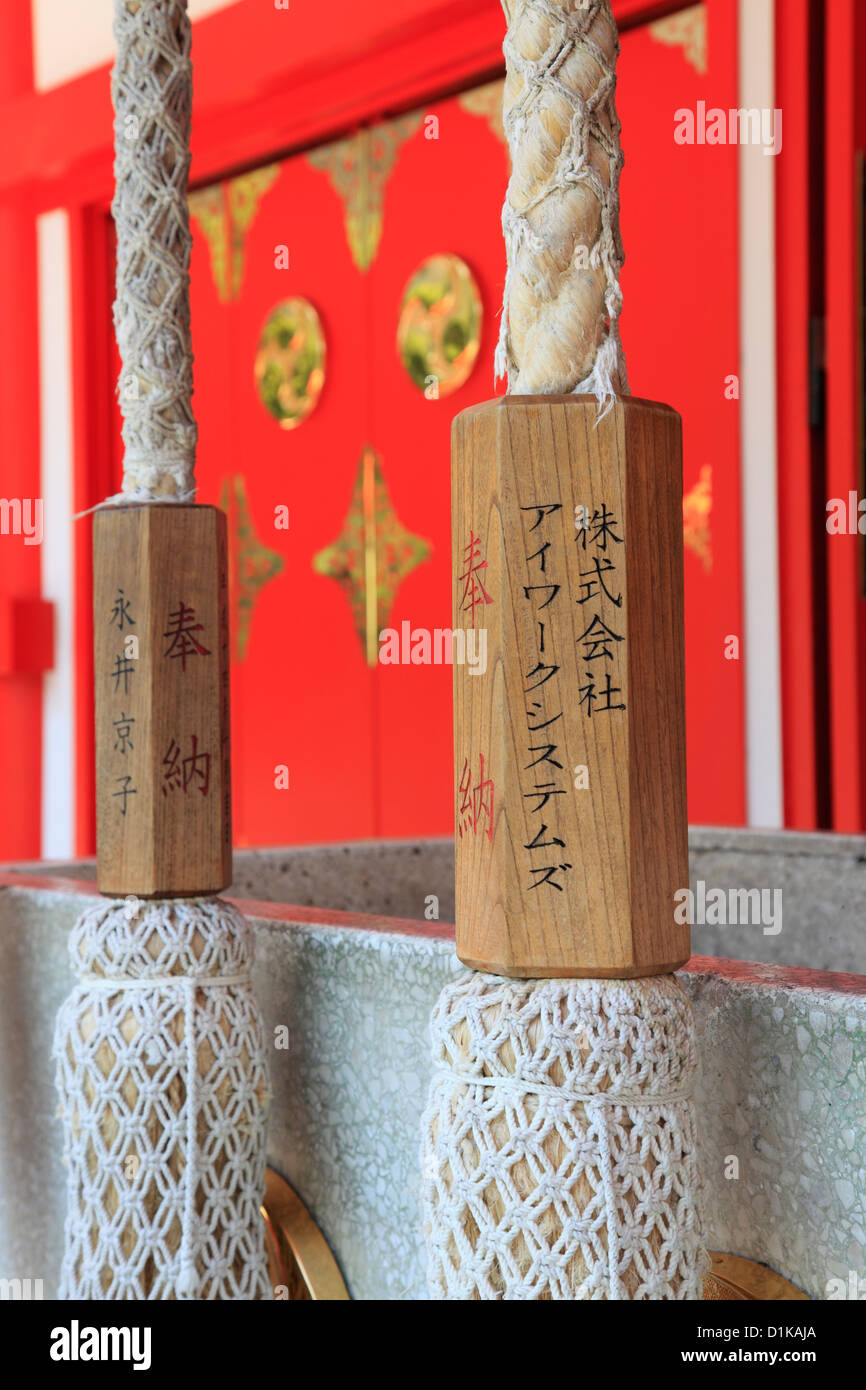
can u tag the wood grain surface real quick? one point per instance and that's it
(571, 827)
(162, 700)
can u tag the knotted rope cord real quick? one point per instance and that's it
(559, 330)
(559, 1151)
(159, 1049)
(152, 91)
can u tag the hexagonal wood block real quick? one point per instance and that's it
(569, 749)
(163, 794)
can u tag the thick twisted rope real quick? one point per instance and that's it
(559, 330)
(152, 91)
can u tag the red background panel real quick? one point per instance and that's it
(444, 195)
(302, 695)
(20, 568)
(369, 752)
(680, 328)
(845, 133)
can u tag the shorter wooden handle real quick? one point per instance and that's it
(570, 745)
(163, 798)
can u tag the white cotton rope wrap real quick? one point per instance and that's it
(164, 1094)
(559, 331)
(152, 92)
(559, 1154)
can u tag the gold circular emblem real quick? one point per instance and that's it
(290, 362)
(440, 325)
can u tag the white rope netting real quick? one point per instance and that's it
(559, 331)
(164, 1096)
(152, 91)
(559, 1154)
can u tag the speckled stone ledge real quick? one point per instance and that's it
(783, 1091)
(821, 880)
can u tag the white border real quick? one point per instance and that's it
(73, 36)
(761, 650)
(55, 418)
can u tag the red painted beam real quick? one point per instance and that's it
(268, 81)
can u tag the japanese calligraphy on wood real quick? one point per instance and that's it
(162, 700)
(570, 748)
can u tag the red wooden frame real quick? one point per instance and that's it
(20, 567)
(796, 576)
(292, 82)
(843, 412)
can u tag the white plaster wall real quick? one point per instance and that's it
(72, 36)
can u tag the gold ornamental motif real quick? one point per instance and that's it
(225, 212)
(697, 507)
(290, 363)
(687, 30)
(439, 331)
(486, 102)
(251, 564)
(372, 555)
(359, 168)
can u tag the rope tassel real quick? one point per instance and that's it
(559, 1141)
(164, 1095)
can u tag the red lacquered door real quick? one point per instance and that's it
(301, 693)
(365, 475)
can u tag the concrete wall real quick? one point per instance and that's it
(783, 1091)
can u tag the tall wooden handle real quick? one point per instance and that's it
(570, 747)
(163, 797)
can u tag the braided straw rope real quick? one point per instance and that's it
(559, 330)
(159, 1049)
